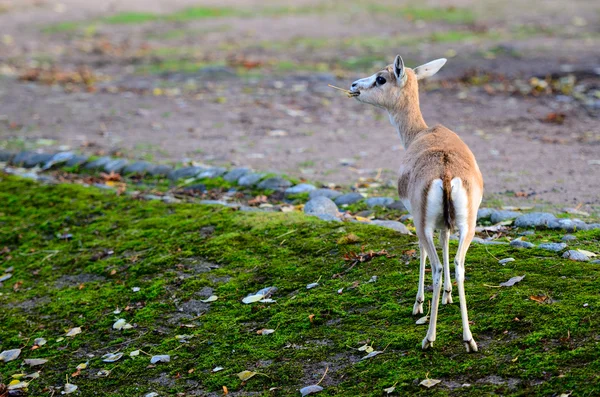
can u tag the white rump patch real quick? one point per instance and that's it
(434, 218)
(461, 204)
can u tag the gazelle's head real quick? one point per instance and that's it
(390, 85)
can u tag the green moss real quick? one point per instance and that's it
(171, 252)
(130, 18)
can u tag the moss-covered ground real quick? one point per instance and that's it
(77, 252)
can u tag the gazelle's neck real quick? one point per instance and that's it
(406, 115)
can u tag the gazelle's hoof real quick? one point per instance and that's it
(470, 345)
(418, 308)
(447, 297)
(427, 343)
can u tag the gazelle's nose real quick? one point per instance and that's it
(354, 85)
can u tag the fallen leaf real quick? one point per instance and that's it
(69, 388)
(134, 353)
(161, 358)
(312, 285)
(587, 253)
(539, 298)
(245, 375)
(311, 317)
(225, 391)
(40, 341)
(265, 331)
(371, 355)
(422, 320)
(312, 389)
(32, 362)
(103, 373)
(217, 369)
(252, 298)
(121, 324)
(428, 383)
(9, 355)
(111, 357)
(389, 390)
(211, 298)
(512, 281)
(74, 331)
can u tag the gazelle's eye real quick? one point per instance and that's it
(380, 80)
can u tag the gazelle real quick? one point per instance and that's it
(440, 182)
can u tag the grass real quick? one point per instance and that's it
(180, 254)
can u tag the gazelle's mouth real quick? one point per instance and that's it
(353, 93)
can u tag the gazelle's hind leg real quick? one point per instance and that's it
(426, 239)
(444, 241)
(418, 307)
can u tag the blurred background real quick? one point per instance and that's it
(244, 82)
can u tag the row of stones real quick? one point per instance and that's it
(535, 220)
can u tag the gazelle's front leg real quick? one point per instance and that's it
(418, 307)
(444, 241)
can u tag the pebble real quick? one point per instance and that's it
(479, 240)
(250, 179)
(235, 174)
(498, 216)
(275, 183)
(521, 244)
(506, 260)
(77, 160)
(534, 219)
(568, 237)
(328, 217)
(379, 201)
(575, 255)
(98, 163)
(139, 167)
(329, 193)
(220, 202)
(527, 233)
(5, 156)
(394, 225)
(36, 159)
(160, 170)
(569, 225)
(320, 205)
(19, 158)
(396, 205)
(212, 172)
(348, 198)
(484, 213)
(596, 262)
(185, 172)
(300, 188)
(199, 187)
(115, 166)
(58, 158)
(556, 247)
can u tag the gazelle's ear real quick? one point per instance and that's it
(399, 68)
(430, 68)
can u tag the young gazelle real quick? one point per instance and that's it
(440, 182)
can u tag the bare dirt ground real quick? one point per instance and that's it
(246, 84)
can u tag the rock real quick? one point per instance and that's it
(534, 219)
(170, 199)
(329, 193)
(19, 158)
(139, 167)
(479, 240)
(484, 213)
(406, 217)
(521, 244)
(77, 160)
(220, 202)
(379, 201)
(596, 262)
(348, 198)
(185, 172)
(275, 183)
(197, 187)
(575, 255)
(503, 215)
(556, 247)
(6, 156)
(235, 174)
(160, 170)
(37, 160)
(250, 179)
(98, 163)
(568, 237)
(212, 172)
(506, 260)
(394, 225)
(115, 166)
(320, 205)
(328, 217)
(300, 188)
(569, 225)
(593, 226)
(365, 214)
(58, 158)
(526, 233)
(396, 205)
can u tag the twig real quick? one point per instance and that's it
(323, 377)
(285, 234)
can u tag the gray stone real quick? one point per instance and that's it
(379, 201)
(593, 226)
(275, 183)
(212, 172)
(6, 156)
(394, 225)
(197, 187)
(506, 260)
(220, 202)
(300, 188)
(77, 160)
(329, 193)
(37, 160)
(521, 244)
(568, 237)
(396, 205)
(479, 240)
(526, 233)
(235, 174)
(170, 200)
(365, 214)
(575, 255)
(556, 247)
(19, 158)
(98, 163)
(250, 179)
(328, 217)
(596, 262)
(406, 217)
(502, 215)
(484, 213)
(185, 172)
(139, 167)
(58, 158)
(320, 205)
(160, 170)
(534, 219)
(349, 198)
(569, 225)
(115, 166)
(103, 186)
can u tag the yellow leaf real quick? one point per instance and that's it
(245, 375)
(429, 382)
